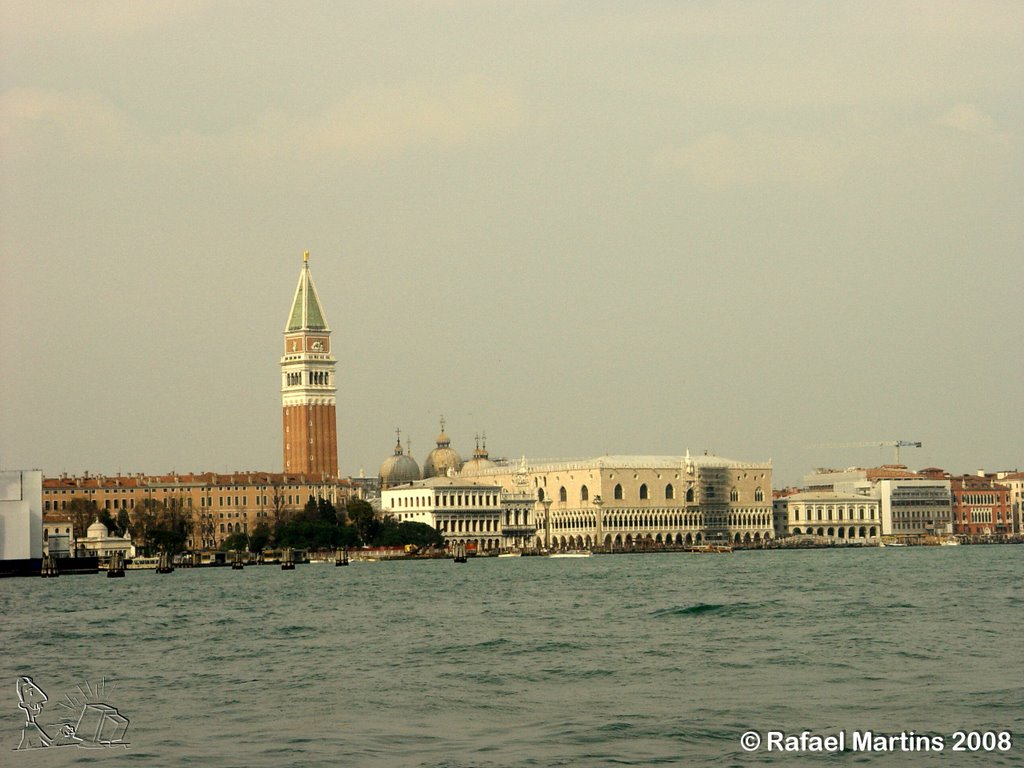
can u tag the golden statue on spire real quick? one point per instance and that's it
(305, 257)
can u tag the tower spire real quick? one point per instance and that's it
(308, 384)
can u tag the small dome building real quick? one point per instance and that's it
(399, 469)
(442, 459)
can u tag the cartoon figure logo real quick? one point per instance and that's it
(99, 725)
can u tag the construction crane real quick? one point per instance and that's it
(897, 444)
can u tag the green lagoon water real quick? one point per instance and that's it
(643, 660)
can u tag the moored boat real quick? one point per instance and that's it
(572, 553)
(142, 563)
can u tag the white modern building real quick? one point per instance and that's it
(916, 507)
(21, 521)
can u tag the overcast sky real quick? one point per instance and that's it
(582, 227)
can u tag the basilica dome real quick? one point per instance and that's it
(480, 461)
(399, 469)
(442, 459)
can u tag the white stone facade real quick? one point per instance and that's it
(625, 502)
(463, 511)
(835, 516)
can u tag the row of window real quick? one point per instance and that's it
(863, 532)
(149, 489)
(229, 515)
(981, 516)
(645, 494)
(841, 513)
(980, 498)
(446, 500)
(467, 526)
(204, 501)
(315, 378)
(919, 514)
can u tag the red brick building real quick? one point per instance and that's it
(981, 506)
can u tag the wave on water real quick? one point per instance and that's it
(702, 609)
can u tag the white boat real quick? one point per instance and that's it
(572, 553)
(949, 543)
(510, 554)
(142, 563)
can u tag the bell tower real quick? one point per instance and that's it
(308, 385)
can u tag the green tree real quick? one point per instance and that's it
(259, 538)
(399, 534)
(82, 512)
(310, 512)
(160, 526)
(143, 520)
(123, 521)
(235, 541)
(348, 536)
(363, 518)
(326, 511)
(108, 521)
(278, 511)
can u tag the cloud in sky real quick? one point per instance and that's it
(722, 161)
(581, 227)
(373, 124)
(367, 125)
(101, 21)
(969, 119)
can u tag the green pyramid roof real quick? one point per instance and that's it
(306, 313)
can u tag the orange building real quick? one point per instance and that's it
(217, 504)
(308, 387)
